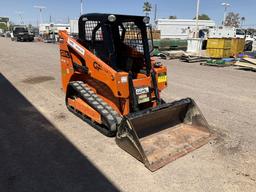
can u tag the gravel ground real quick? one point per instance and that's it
(43, 147)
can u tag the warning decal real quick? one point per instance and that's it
(75, 46)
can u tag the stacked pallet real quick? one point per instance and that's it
(246, 63)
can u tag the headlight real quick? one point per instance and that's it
(146, 20)
(111, 18)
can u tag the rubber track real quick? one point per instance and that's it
(111, 117)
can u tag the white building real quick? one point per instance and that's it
(46, 28)
(5, 20)
(181, 28)
(73, 26)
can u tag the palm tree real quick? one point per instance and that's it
(242, 21)
(147, 7)
(172, 17)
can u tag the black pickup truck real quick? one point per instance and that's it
(21, 33)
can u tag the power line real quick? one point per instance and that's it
(40, 8)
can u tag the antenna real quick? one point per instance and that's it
(41, 8)
(20, 13)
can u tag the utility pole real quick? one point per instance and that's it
(155, 15)
(226, 5)
(81, 7)
(197, 14)
(40, 8)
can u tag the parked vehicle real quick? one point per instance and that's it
(231, 32)
(21, 33)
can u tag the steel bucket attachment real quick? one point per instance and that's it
(162, 134)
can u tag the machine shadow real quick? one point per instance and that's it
(35, 156)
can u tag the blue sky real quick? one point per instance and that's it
(61, 10)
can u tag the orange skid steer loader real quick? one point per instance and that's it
(111, 83)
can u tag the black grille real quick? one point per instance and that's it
(133, 36)
(89, 27)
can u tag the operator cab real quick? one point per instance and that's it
(121, 41)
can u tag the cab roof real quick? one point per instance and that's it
(103, 17)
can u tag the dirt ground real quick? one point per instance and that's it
(43, 147)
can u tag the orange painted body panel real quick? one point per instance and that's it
(84, 108)
(112, 86)
(100, 71)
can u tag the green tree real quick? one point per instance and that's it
(232, 19)
(3, 26)
(172, 17)
(203, 17)
(147, 7)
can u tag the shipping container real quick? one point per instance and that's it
(219, 47)
(219, 43)
(218, 53)
(237, 45)
(224, 47)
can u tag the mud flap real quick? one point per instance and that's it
(162, 134)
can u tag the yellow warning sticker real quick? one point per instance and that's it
(162, 78)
